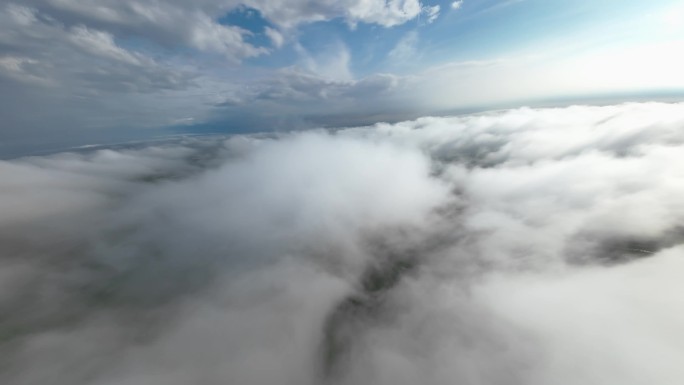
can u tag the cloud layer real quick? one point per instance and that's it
(526, 246)
(97, 67)
(104, 71)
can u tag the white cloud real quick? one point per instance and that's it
(170, 24)
(144, 63)
(79, 55)
(23, 16)
(21, 69)
(330, 63)
(289, 14)
(276, 37)
(548, 242)
(457, 4)
(431, 12)
(101, 44)
(208, 35)
(81, 79)
(98, 64)
(179, 19)
(406, 49)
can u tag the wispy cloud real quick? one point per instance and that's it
(431, 12)
(406, 49)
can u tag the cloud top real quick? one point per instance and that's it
(524, 246)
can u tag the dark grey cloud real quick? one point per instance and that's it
(296, 99)
(294, 88)
(527, 246)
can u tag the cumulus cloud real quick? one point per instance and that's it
(169, 24)
(181, 21)
(62, 83)
(527, 246)
(38, 47)
(115, 65)
(289, 14)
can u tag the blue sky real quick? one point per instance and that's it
(74, 72)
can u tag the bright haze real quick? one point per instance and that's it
(350, 192)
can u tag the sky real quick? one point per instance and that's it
(100, 71)
(341, 192)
